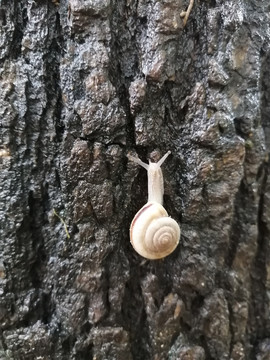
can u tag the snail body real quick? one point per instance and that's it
(153, 234)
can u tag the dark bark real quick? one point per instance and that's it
(82, 84)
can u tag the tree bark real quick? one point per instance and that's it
(84, 83)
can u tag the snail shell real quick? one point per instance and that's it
(153, 234)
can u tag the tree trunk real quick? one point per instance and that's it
(83, 84)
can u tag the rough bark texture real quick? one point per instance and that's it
(82, 84)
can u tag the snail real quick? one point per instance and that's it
(153, 234)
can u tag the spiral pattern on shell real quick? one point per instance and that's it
(153, 234)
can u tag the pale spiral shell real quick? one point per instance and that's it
(153, 234)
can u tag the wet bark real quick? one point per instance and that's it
(83, 83)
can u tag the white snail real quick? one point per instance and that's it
(153, 234)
